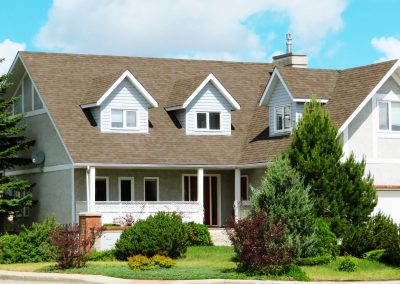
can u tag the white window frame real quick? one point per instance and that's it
(208, 121)
(283, 124)
(107, 188)
(124, 121)
(22, 98)
(247, 187)
(389, 103)
(132, 179)
(158, 188)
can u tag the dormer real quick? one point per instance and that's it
(123, 108)
(206, 110)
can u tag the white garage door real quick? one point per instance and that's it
(389, 203)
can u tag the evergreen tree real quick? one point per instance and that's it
(282, 195)
(340, 192)
(15, 193)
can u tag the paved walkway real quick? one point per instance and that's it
(26, 277)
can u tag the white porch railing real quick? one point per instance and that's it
(189, 210)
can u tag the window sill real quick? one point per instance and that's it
(389, 134)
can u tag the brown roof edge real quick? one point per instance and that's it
(383, 187)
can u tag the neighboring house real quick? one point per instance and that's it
(139, 135)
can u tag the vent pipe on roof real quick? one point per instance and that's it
(289, 59)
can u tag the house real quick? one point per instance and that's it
(139, 135)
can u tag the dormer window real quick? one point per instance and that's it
(208, 120)
(283, 120)
(123, 118)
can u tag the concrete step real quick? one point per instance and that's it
(219, 237)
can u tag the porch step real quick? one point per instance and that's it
(219, 237)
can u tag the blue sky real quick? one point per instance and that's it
(333, 33)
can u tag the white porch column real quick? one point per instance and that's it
(92, 187)
(200, 189)
(236, 203)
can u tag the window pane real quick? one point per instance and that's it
(27, 94)
(243, 188)
(18, 104)
(116, 118)
(126, 190)
(130, 118)
(215, 120)
(101, 190)
(395, 116)
(279, 118)
(287, 115)
(383, 116)
(150, 189)
(36, 100)
(201, 120)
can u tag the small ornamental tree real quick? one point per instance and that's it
(341, 193)
(15, 193)
(282, 195)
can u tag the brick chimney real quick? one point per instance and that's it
(289, 59)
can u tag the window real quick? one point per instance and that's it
(283, 118)
(389, 116)
(18, 104)
(29, 99)
(126, 189)
(150, 189)
(101, 189)
(123, 118)
(244, 188)
(208, 120)
(190, 188)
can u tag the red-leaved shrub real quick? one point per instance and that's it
(260, 244)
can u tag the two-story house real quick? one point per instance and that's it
(139, 135)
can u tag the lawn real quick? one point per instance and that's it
(216, 263)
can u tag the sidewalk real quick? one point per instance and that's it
(98, 279)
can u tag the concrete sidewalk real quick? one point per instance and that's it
(94, 279)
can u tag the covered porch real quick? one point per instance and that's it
(116, 192)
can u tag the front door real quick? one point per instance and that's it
(210, 194)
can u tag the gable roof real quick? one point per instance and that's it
(81, 76)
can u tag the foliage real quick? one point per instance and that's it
(326, 243)
(30, 245)
(376, 255)
(105, 255)
(340, 192)
(378, 233)
(140, 262)
(70, 248)
(198, 234)
(296, 273)
(126, 220)
(260, 244)
(163, 234)
(392, 252)
(15, 193)
(315, 260)
(163, 261)
(282, 195)
(347, 265)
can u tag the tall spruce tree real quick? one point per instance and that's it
(341, 192)
(15, 193)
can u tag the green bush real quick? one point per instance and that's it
(198, 234)
(316, 260)
(347, 265)
(376, 255)
(163, 261)
(140, 262)
(296, 273)
(163, 234)
(392, 252)
(105, 255)
(378, 233)
(30, 245)
(325, 240)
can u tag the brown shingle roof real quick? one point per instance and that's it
(66, 81)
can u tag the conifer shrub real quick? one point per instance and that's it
(375, 255)
(163, 234)
(348, 264)
(326, 243)
(198, 234)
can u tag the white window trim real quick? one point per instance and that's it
(283, 113)
(158, 188)
(388, 131)
(132, 179)
(208, 121)
(22, 98)
(124, 127)
(107, 188)
(247, 187)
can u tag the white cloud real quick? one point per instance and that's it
(389, 46)
(191, 28)
(8, 50)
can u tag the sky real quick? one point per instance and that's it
(335, 34)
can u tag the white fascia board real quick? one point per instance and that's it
(271, 83)
(370, 95)
(135, 82)
(211, 78)
(322, 101)
(173, 108)
(89, 105)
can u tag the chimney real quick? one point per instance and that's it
(290, 59)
